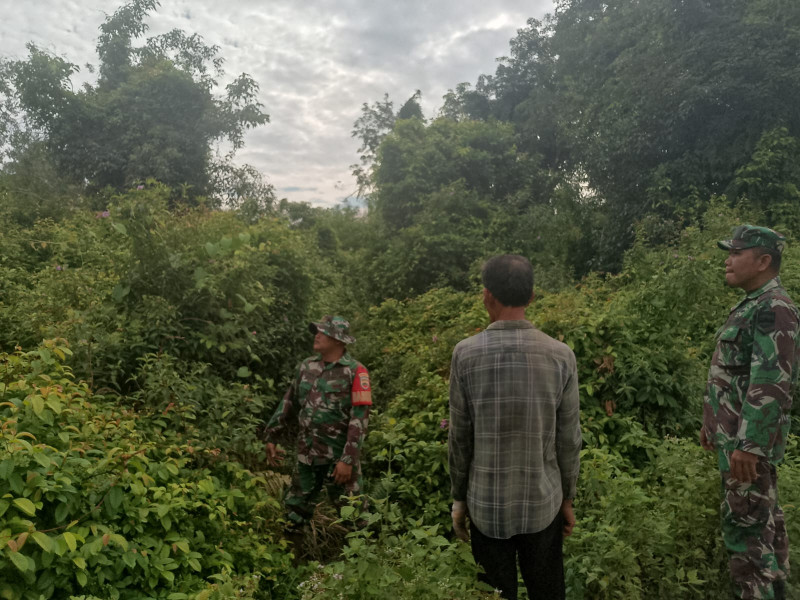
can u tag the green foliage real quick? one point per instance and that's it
(405, 560)
(646, 109)
(138, 279)
(637, 526)
(105, 501)
(151, 114)
(770, 180)
(407, 451)
(618, 136)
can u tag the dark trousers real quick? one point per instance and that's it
(541, 561)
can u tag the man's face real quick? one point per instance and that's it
(324, 343)
(744, 268)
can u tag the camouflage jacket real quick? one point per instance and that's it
(330, 404)
(753, 373)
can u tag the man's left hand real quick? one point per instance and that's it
(342, 473)
(743, 466)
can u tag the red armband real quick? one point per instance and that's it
(361, 392)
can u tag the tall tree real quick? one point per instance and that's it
(667, 98)
(153, 111)
(374, 124)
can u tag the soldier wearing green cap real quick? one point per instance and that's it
(328, 402)
(746, 411)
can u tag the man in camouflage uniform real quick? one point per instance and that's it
(329, 401)
(746, 411)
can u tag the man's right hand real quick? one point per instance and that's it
(568, 513)
(706, 443)
(274, 454)
(459, 515)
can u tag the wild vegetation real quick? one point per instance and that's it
(153, 303)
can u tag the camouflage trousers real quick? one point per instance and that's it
(754, 532)
(307, 483)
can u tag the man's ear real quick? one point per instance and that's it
(764, 262)
(489, 301)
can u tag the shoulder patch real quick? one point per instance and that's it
(361, 392)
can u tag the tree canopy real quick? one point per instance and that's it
(153, 111)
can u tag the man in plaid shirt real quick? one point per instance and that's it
(514, 439)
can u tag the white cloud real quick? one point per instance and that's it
(316, 62)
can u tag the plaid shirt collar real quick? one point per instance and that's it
(507, 324)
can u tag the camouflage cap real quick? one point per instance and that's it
(753, 236)
(333, 326)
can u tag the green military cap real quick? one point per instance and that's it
(336, 327)
(753, 236)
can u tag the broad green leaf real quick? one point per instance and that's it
(195, 564)
(212, 249)
(80, 562)
(71, 540)
(115, 496)
(243, 372)
(129, 558)
(38, 405)
(25, 506)
(183, 546)
(42, 459)
(43, 540)
(207, 486)
(81, 577)
(62, 510)
(119, 292)
(121, 228)
(20, 561)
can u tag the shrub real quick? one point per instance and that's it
(406, 560)
(97, 500)
(137, 279)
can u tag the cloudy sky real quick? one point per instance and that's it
(316, 61)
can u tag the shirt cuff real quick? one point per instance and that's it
(751, 447)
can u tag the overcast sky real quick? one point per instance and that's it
(316, 61)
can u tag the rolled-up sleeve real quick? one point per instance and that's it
(460, 435)
(356, 432)
(287, 408)
(568, 433)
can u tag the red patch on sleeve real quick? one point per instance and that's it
(361, 392)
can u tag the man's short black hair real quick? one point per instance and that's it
(775, 263)
(509, 278)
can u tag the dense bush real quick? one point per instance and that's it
(138, 279)
(406, 560)
(108, 501)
